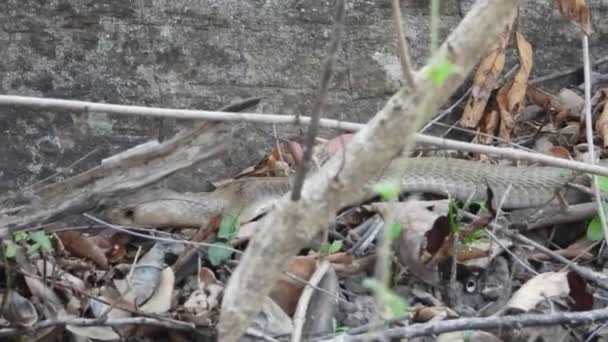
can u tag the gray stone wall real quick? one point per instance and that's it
(204, 54)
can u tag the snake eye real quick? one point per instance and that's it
(470, 285)
(129, 213)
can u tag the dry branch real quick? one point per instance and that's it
(291, 225)
(484, 323)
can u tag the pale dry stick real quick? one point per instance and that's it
(485, 323)
(83, 106)
(319, 106)
(292, 224)
(112, 322)
(404, 54)
(299, 317)
(564, 73)
(156, 238)
(589, 134)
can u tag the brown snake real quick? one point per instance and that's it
(529, 186)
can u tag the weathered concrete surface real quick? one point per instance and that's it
(204, 54)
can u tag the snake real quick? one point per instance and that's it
(512, 187)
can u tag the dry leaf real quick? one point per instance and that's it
(487, 126)
(548, 285)
(577, 11)
(19, 310)
(417, 218)
(517, 92)
(100, 333)
(161, 299)
(83, 246)
(486, 76)
(287, 290)
(601, 124)
(506, 119)
(559, 152)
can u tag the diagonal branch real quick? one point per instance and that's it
(292, 224)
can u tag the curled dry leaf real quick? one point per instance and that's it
(601, 125)
(416, 218)
(485, 80)
(112, 296)
(146, 275)
(83, 246)
(287, 290)
(19, 310)
(487, 126)
(422, 313)
(512, 101)
(202, 301)
(548, 285)
(161, 299)
(577, 11)
(101, 333)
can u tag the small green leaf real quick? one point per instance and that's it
(603, 183)
(440, 71)
(229, 228)
(394, 230)
(10, 250)
(41, 240)
(335, 247)
(594, 230)
(218, 253)
(476, 235)
(388, 190)
(20, 236)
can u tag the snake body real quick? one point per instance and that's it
(516, 187)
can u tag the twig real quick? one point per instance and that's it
(589, 135)
(599, 279)
(87, 322)
(299, 317)
(313, 129)
(564, 73)
(156, 238)
(507, 153)
(486, 323)
(404, 55)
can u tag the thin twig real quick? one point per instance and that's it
(485, 323)
(599, 279)
(299, 317)
(404, 55)
(564, 73)
(313, 129)
(507, 153)
(114, 322)
(589, 135)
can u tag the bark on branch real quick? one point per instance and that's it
(292, 224)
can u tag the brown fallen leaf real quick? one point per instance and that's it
(577, 11)
(488, 125)
(601, 124)
(516, 90)
(506, 119)
(485, 80)
(559, 152)
(83, 246)
(287, 290)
